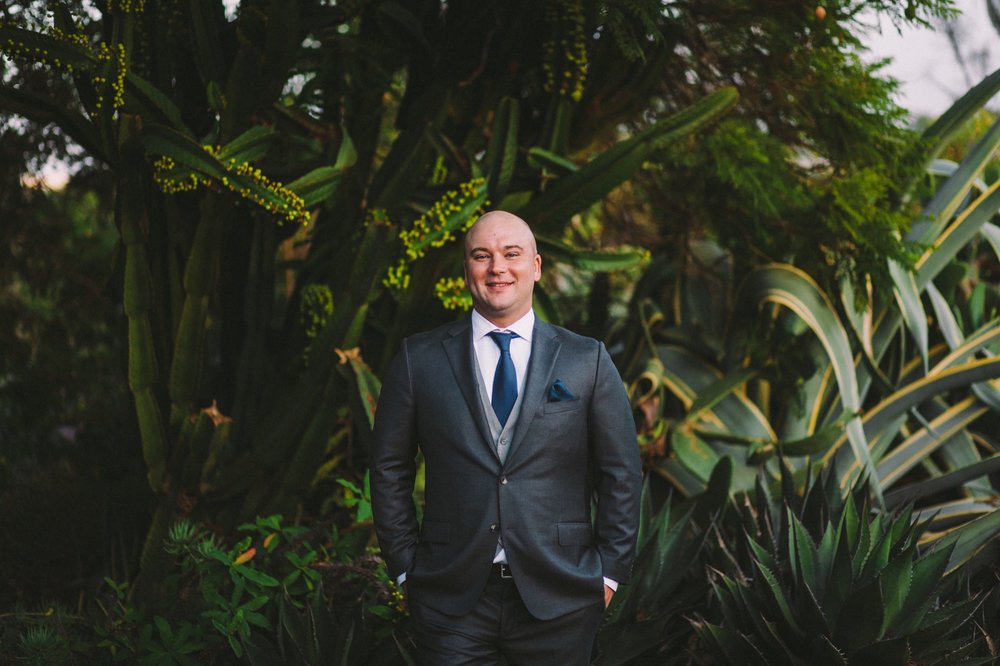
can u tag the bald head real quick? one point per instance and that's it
(501, 266)
(499, 219)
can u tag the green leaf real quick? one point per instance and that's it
(917, 490)
(259, 577)
(886, 411)
(956, 512)
(249, 146)
(927, 573)
(737, 648)
(502, 151)
(539, 158)
(805, 558)
(958, 234)
(591, 260)
(941, 130)
(687, 376)
(694, 453)
(67, 53)
(962, 348)
(43, 110)
(921, 444)
(819, 442)
(860, 620)
(714, 394)
(825, 653)
(991, 233)
(791, 622)
(140, 90)
(208, 42)
(162, 140)
(788, 286)
(578, 191)
(892, 651)
(910, 306)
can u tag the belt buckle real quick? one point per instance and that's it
(505, 571)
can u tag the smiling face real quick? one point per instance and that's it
(501, 267)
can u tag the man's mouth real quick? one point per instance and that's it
(498, 285)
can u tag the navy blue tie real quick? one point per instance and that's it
(505, 378)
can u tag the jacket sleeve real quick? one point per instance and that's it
(618, 471)
(393, 467)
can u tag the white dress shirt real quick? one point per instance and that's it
(488, 353)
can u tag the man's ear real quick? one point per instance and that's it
(538, 267)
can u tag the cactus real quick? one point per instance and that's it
(292, 131)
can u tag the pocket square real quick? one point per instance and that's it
(558, 392)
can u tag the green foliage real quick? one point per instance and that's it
(813, 165)
(821, 578)
(254, 345)
(855, 379)
(254, 594)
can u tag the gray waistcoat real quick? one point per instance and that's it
(501, 436)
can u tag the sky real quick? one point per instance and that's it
(924, 62)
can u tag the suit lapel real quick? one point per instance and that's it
(544, 351)
(458, 348)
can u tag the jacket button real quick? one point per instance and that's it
(503, 481)
(493, 527)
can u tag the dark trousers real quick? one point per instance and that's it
(499, 626)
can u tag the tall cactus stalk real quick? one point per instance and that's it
(143, 373)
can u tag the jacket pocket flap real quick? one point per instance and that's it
(575, 534)
(562, 406)
(435, 532)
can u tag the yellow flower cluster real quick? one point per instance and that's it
(452, 293)
(24, 51)
(289, 205)
(435, 228)
(105, 54)
(248, 181)
(163, 166)
(570, 54)
(126, 6)
(315, 309)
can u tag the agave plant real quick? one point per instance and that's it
(825, 579)
(647, 616)
(891, 398)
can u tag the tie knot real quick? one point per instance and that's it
(503, 340)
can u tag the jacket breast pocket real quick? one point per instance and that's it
(561, 406)
(435, 532)
(575, 534)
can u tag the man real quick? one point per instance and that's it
(521, 424)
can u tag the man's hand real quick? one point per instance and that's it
(608, 593)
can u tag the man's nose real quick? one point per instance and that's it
(498, 266)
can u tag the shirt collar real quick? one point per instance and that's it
(481, 326)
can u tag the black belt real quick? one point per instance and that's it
(501, 571)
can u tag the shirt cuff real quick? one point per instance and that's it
(613, 584)
(401, 578)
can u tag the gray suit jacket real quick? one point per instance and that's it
(571, 443)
